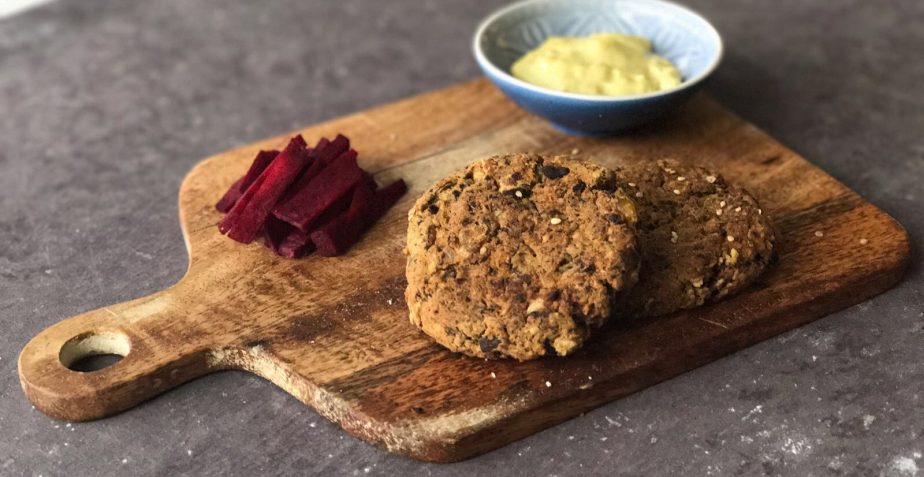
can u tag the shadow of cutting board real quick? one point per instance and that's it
(334, 333)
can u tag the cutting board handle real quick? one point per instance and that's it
(160, 347)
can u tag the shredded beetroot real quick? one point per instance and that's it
(249, 214)
(333, 182)
(369, 181)
(336, 236)
(259, 164)
(336, 209)
(286, 240)
(313, 168)
(322, 143)
(303, 199)
(275, 232)
(231, 196)
(290, 242)
(366, 207)
(322, 154)
(338, 146)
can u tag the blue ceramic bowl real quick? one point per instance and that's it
(676, 33)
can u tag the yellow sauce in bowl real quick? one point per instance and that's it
(606, 64)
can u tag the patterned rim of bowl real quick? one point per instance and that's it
(490, 66)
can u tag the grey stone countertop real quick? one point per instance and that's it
(106, 104)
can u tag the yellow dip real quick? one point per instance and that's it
(609, 64)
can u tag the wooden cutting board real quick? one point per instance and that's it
(334, 333)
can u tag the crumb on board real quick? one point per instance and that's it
(819, 233)
(575, 151)
(863, 241)
(548, 384)
(493, 375)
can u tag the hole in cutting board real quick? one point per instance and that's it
(94, 362)
(92, 351)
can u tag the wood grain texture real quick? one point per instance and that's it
(334, 332)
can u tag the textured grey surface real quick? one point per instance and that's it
(104, 106)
